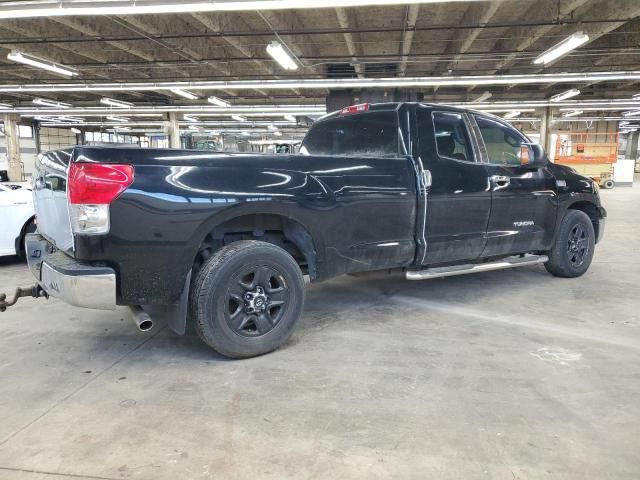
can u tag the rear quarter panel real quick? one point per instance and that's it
(359, 211)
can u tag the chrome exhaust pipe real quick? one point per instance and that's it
(143, 321)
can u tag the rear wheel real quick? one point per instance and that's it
(608, 184)
(247, 298)
(574, 246)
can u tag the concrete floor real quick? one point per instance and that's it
(502, 375)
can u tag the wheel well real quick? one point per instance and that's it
(591, 210)
(23, 231)
(275, 229)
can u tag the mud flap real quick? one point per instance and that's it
(174, 315)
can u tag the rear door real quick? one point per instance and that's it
(458, 201)
(523, 208)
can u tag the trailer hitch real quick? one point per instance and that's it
(35, 291)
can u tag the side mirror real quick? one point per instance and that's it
(532, 155)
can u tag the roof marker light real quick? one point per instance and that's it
(361, 107)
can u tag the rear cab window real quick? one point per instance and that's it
(452, 139)
(371, 134)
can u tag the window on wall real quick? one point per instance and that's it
(25, 131)
(452, 139)
(501, 141)
(56, 138)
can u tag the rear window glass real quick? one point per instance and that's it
(372, 134)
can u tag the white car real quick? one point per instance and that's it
(16, 217)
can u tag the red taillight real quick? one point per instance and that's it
(97, 183)
(362, 107)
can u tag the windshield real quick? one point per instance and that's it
(373, 134)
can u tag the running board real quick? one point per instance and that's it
(510, 262)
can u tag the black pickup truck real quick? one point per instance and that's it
(222, 241)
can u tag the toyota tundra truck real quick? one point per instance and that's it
(221, 242)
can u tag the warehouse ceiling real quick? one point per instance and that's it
(442, 39)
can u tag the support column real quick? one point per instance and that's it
(545, 128)
(13, 147)
(172, 129)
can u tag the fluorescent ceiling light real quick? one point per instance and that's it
(564, 95)
(512, 114)
(45, 118)
(184, 93)
(118, 119)
(67, 118)
(291, 118)
(239, 118)
(51, 103)
(636, 96)
(272, 127)
(632, 113)
(5, 105)
(483, 97)
(42, 64)
(573, 113)
(277, 133)
(323, 83)
(218, 101)
(115, 103)
(245, 134)
(76, 131)
(280, 54)
(59, 8)
(560, 49)
(190, 118)
(193, 127)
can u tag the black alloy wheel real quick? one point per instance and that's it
(257, 299)
(578, 245)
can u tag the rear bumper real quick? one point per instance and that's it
(65, 278)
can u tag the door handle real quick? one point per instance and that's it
(500, 181)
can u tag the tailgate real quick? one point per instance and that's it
(50, 198)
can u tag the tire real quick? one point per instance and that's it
(574, 246)
(608, 184)
(246, 299)
(30, 227)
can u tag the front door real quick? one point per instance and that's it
(523, 210)
(458, 200)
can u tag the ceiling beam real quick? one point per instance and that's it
(138, 25)
(216, 25)
(91, 55)
(343, 20)
(482, 16)
(564, 9)
(412, 12)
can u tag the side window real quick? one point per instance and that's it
(452, 140)
(502, 142)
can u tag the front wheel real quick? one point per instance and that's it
(574, 246)
(247, 298)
